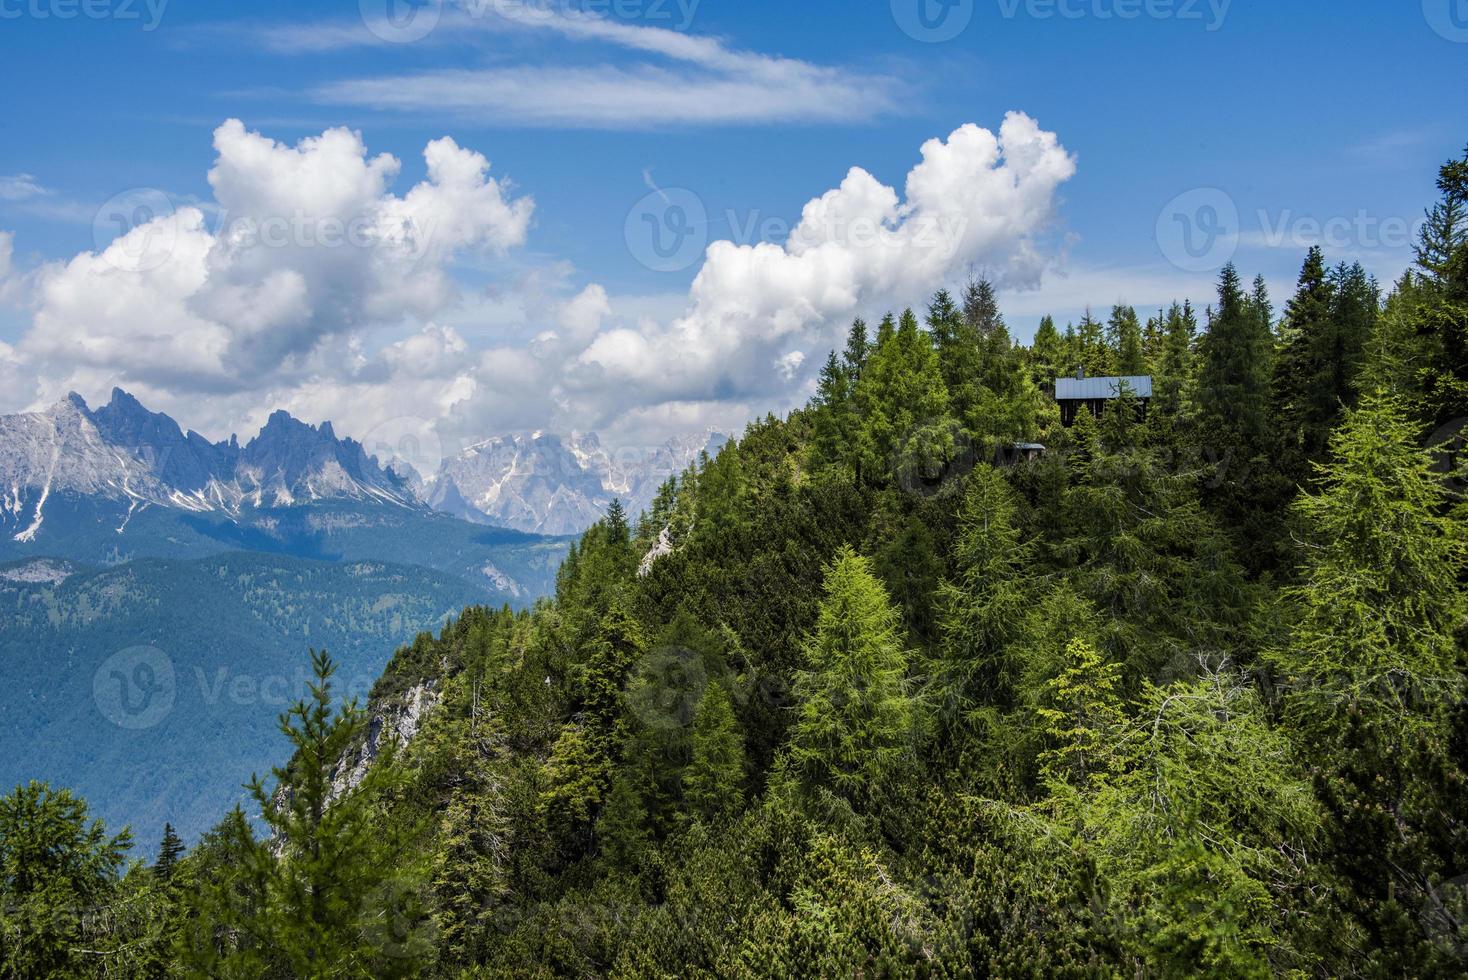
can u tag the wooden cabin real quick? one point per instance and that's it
(1092, 394)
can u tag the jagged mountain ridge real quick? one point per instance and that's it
(547, 484)
(124, 452)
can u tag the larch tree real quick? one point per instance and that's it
(854, 717)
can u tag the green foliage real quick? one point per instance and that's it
(1381, 601)
(58, 873)
(713, 783)
(1082, 717)
(1119, 711)
(332, 889)
(854, 719)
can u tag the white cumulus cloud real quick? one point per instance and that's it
(206, 315)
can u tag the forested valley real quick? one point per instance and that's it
(870, 693)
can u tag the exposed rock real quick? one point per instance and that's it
(663, 546)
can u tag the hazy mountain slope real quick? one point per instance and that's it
(153, 688)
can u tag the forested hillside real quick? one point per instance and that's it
(1182, 696)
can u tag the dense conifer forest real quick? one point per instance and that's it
(867, 695)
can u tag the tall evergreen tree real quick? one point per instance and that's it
(983, 608)
(1124, 333)
(981, 307)
(56, 863)
(332, 889)
(1174, 378)
(854, 718)
(858, 347)
(1090, 351)
(903, 405)
(169, 851)
(1234, 387)
(1047, 354)
(713, 782)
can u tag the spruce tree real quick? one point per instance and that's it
(1091, 352)
(56, 864)
(1173, 383)
(858, 348)
(1382, 599)
(981, 307)
(1047, 355)
(1235, 417)
(903, 405)
(1082, 717)
(713, 782)
(983, 610)
(169, 851)
(1124, 332)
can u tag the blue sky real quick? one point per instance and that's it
(1295, 111)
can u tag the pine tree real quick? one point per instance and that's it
(945, 322)
(1090, 347)
(1175, 371)
(981, 307)
(854, 719)
(331, 890)
(713, 782)
(1234, 387)
(1082, 717)
(1381, 601)
(903, 405)
(1444, 234)
(169, 851)
(1125, 336)
(1047, 354)
(1369, 667)
(982, 609)
(858, 348)
(615, 523)
(959, 348)
(55, 864)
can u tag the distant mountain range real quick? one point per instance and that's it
(124, 454)
(120, 532)
(552, 485)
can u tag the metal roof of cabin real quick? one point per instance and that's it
(1083, 389)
